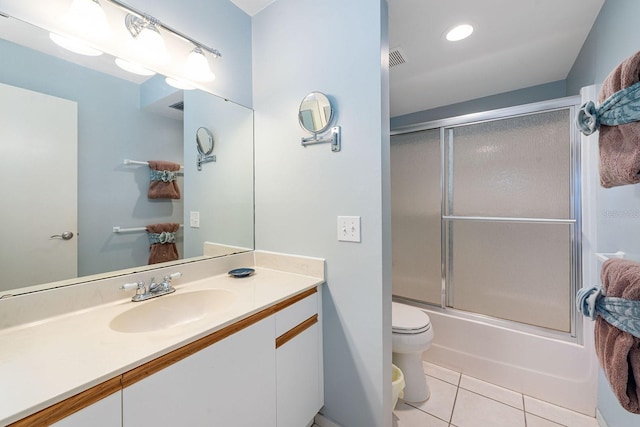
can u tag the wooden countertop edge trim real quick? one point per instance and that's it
(296, 330)
(57, 412)
(294, 299)
(69, 406)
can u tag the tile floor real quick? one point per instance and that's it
(462, 401)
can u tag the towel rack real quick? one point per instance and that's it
(138, 162)
(132, 229)
(603, 256)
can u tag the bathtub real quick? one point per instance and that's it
(552, 370)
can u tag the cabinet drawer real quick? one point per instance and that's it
(295, 314)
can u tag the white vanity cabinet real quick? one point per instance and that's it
(261, 370)
(104, 413)
(299, 373)
(268, 374)
(229, 383)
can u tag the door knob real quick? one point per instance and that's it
(67, 235)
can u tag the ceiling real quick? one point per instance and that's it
(251, 7)
(516, 44)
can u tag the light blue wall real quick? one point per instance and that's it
(613, 38)
(333, 46)
(111, 127)
(508, 99)
(224, 188)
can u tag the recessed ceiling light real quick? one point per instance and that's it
(459, 32)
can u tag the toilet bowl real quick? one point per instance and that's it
(411, 335)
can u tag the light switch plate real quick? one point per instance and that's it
(349, 228)
(194, 219)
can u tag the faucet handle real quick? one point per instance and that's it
(175, 275)
(135, 285)
(138, 286)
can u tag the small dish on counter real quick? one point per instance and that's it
(241, 272)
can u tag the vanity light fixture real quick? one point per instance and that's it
(86, 17)
(148, 43)
(197, 67)
(459, 32)
(74, 45)
(134, 68)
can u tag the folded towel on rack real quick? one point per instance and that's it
(620, 145)
(618, 351)
(163, 183)
(162, 239)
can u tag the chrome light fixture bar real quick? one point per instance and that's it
(145, 17)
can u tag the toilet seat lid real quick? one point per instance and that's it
(407, 319)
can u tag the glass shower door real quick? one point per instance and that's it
(509, 219)
(416, 216)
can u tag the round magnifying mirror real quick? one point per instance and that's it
(315, 113)
(204, 139)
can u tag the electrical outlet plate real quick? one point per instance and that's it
(349, 228)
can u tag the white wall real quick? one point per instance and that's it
(335, 47)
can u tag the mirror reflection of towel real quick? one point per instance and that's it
(162, 184)
(162, 239)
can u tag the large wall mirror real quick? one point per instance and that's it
(109, 115)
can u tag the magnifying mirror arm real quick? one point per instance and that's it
(205, 159)
(333, 139)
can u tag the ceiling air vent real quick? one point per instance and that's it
(396, 57)
(178, 105)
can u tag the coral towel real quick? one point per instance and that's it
(618, 351)
(620, 145)
(162, 239)
(162, 184)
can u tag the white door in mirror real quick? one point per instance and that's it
(349, 228)
(38, 150)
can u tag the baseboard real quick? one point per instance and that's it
(323, 421)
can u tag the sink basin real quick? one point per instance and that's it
(172, 310)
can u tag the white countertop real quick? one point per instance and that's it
(46, 362)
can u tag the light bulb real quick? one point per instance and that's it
(74, 45)
(197, 67)
(459, 32)
(149, 45)
(87, 18)
(133, 67)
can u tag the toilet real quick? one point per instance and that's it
(411, 336)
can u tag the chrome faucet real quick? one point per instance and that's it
(155, 289)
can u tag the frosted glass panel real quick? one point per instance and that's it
(415, 216)
(516, 167)
(515, 271)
